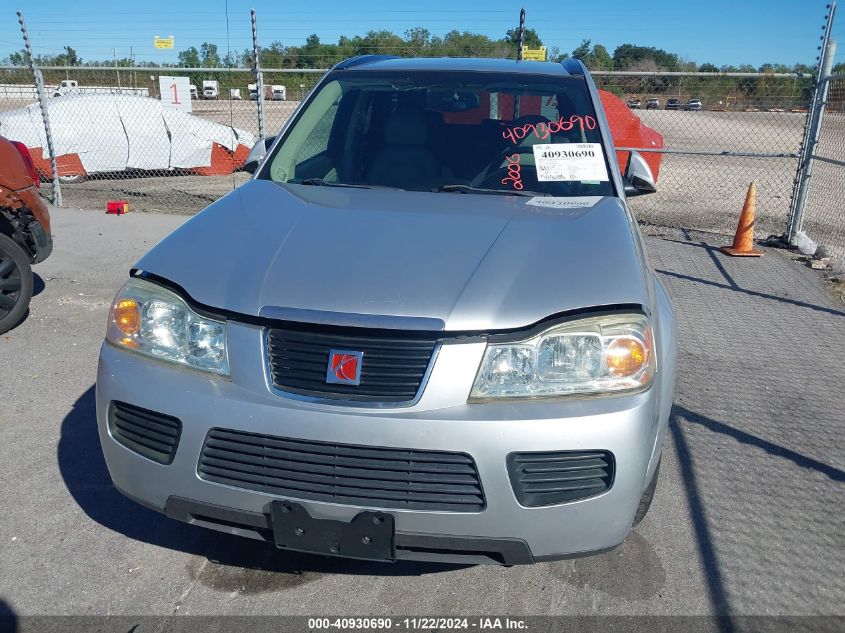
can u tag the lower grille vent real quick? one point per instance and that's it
(342, 473)
(153, 435)
(544, 479)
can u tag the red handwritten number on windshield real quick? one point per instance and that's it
(175, 94)
(544, 130)
(514, 176)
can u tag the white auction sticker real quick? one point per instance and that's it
(574, 202)
(582, 162)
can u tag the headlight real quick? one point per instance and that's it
(153, 321)
(603, 354)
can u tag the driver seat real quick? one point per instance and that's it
(404, 160)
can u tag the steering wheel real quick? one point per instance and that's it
(495, 168)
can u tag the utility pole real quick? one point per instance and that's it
(114, 56)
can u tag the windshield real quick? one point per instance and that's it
(449, 132)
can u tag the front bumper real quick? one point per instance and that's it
(627, 426)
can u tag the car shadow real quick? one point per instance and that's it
(83, 469)
(8, 618)
(38, 284)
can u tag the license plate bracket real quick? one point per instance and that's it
(368, 536)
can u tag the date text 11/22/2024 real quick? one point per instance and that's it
(417, 623)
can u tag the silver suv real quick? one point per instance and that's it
(426, 329)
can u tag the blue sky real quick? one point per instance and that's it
(716, 31)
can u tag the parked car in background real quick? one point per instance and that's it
(673, 103)
(24, 231)
(279, 92)
(693, 105)
(193, 89)
(434, 333)
(652, 104)
(634, 104)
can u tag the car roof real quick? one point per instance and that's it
(384, 62)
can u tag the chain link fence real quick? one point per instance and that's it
(720, 133)
(117, 137)
(120, 134)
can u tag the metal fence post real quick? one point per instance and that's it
(42, 104)
(811, 136)
(259, 77)
(797, 217)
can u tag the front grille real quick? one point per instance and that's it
(393, 364)
(342, 473)
(544, 479)
(153, 435)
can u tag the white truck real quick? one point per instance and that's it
(235, 93)
(71, 86)
(278, 93)
(66, 87)
(210, 89)
(194, 94)
(268, 92)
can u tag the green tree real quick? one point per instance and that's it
(530, 38)
(418, 40)
(581, 52)
(190, 57)
(600, 58)
(209, 57)
(68, 58)
(18, 58)
(708, 68)
(632, 57)
(595, 57)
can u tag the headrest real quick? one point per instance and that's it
(405, 128)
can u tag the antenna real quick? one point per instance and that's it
(521, 34)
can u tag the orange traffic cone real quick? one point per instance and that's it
(743, 245)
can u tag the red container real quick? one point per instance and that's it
(117, 207)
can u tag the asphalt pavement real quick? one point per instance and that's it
(748, 516)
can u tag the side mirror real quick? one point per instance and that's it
(638, 177)
(257, 154)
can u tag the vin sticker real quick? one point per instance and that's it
(575, 202)
(570, 162)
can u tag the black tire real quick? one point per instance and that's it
(15, 283)
(645, 500)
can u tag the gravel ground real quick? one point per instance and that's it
(747, 520)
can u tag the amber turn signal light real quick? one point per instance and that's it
(127, 317)
(625, 356)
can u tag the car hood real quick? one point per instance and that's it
(409, 260)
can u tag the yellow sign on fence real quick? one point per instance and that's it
(534, 54)
(163, 42)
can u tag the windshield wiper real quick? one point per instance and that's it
(319, 182)
(470, 189)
